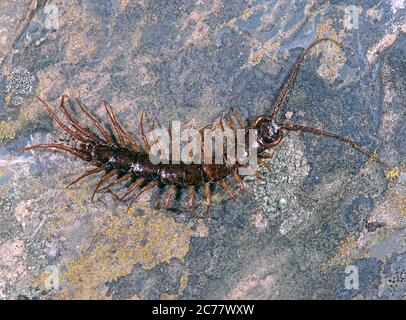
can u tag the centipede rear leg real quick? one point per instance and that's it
(76, 124)
(77, 153)
(103, 132)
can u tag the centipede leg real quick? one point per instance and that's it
(239, 117)
(231, 123)
(226, 186)
(238, 180)
(62, 147)
(155, 123)
(168, 196)
(265, 164)
(59, 121)
(258, 175)
(132, 187)
(87, 173)
(75, 123)
(147, 187)
(106, 137)
(114, 123)
(115, 195)
(221, 124)
(265, 155)
(119, 129)
(207, 194)
(104, 178)
(191, 195)
(144, 138)
(121, 179)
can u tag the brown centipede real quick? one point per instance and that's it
(125, 158)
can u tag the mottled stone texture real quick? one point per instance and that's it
(323, 208)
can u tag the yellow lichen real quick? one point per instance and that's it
(6, 131)
(126, 240)
(9, 129)
(394, 173)
(372, 158)
(8, 99)
(246, 14)
(347, 251)
(7, 71)
(183, 283)
(333, 56)
(395, 195)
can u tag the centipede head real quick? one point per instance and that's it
(269, 134)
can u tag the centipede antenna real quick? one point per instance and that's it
(294, 71)
(87, 173)
(347, 140)
(75, 123)
(59, 121)
(56, 147)
(106, 137)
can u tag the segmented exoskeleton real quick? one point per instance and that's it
(125, 159)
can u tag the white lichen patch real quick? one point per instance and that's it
(278, 192)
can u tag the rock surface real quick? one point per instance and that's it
(324, 215)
